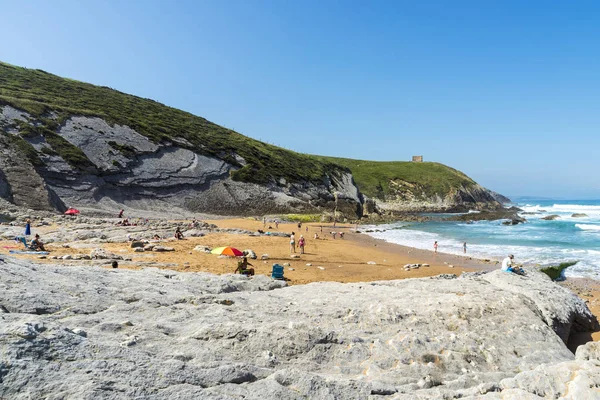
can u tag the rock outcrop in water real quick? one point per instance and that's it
(93, 333)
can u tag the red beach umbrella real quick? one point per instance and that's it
(227, 251)
(72, 211)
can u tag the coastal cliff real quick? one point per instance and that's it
(397, 186)
(88, 332)
(67, 143)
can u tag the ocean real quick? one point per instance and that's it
(537, 241)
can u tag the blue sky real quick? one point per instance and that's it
(506, 91)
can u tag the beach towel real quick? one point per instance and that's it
(27, 252)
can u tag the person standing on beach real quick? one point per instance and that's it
(465, 247)
(121, 213)
(276, 224)
(27, 227)
(301, 243)
(292, 243)
(435, 246)
(264, 222)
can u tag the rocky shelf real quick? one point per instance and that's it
(94, 333)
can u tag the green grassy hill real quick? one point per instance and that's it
(39, 92)
(374, 177)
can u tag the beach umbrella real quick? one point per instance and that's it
(72, 211)
(227, 251)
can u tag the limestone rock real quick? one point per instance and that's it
(202, 248)
(101, 254)
(579, 215)
(186, 338)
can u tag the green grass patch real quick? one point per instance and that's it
(69, 152)
(301, 217)
(27, 149)
(125, 149)
(555, 272)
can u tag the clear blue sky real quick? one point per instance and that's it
(506, 91)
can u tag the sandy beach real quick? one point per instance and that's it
(343, 260)
(355, 258)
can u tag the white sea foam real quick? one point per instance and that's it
(563, 209)
(588, 259)
(588, 227)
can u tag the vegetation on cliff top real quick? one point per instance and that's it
(374, 177)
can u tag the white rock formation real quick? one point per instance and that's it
(93, 333)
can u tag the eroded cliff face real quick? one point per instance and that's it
(87, 161)
(408, 197)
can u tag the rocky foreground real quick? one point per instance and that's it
(94, 333)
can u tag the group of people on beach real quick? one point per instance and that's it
(301, 243)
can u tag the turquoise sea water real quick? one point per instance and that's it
(535, 242)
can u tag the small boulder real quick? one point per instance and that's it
(371, 263)
(294, 256)
(550, 217)
(200, 247)
(579, 215)
(163, 248)
(264, 257)
(138, 250)
(101, 254)
(79, 332)
(137, 244)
